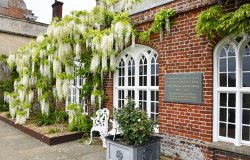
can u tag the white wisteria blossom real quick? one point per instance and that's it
(95, 62)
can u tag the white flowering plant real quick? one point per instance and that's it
(137, 128)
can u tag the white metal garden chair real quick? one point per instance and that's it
(100, 124)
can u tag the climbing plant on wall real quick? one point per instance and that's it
(214, 22)
(46, 66)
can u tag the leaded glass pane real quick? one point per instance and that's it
(231, 130)
(223, 79)
(246, 133)
(246, 101)
(246, 117)
(246, 79)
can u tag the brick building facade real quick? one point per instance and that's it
(189, 131)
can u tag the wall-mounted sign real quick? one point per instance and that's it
(183, 88)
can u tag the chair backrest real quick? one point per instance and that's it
(101, 119)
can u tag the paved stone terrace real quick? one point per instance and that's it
(16, 145)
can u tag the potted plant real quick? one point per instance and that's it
(136, 141)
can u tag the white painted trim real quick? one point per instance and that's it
(238, 90)
(136, 53)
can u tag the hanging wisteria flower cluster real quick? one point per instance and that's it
(46, 66)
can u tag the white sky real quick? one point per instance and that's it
(43, 9)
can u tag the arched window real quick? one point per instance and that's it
(138, 68)
(232, 90)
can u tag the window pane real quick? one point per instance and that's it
(152, 107)
(140, 81)
(231, 130)
(231, 80)
(153, 69)
(231, 100)
(223, 114)
(131, 94)
(157, 69)
(246, 101)
(145, 70)
(231, 52)
(157, 107)
(152, 95)
(231, 64)
(223, 79)
(246, 79)
(246, 63)
(223, 129)
(246, 133)
(153, 83)
(246, 117)
(246, 50)
(231, 115)
(157, 95)
(153, 60)
(223, 99)
(223, 65)
(157, 80)
(129, 71)
(223, 53)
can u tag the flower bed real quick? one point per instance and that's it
(41, 133)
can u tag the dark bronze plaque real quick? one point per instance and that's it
(183, 88)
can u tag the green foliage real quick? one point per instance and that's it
(209, 21)
(21, 113)
(214, 22)
(80, 123)
(4, 107)
(59, 116)
(43, 119)
(3, 58)
(161, 22)
(136, 127)
(55, 117)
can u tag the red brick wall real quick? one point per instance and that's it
(108, 87)
(182, 51)
(17, 9)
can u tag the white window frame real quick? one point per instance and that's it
(136, 53)
(238, 90)
(78, 87)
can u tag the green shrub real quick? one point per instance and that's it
(134, 123)
(4, 107)
(81, 123)
(59, 116)
(43, 119)
(52, 118)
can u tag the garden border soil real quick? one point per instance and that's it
(48, 140)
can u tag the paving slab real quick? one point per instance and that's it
(16, 145)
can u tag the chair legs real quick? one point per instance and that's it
(102, 136)
(91, 137)
(103, 140)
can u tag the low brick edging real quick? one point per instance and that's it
(50, 141)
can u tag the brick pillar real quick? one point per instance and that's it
(57, 9)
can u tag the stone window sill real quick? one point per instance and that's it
(230, 147)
